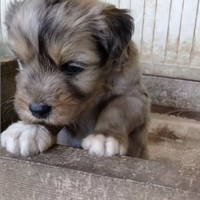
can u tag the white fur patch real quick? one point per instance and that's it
(26, 139)
(103, 146)
(20, 65)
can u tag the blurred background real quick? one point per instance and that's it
(167, 34)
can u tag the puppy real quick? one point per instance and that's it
(78, 71)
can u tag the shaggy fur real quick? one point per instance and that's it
(104, 106)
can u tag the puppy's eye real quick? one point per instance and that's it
(71, 68)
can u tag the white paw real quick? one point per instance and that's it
(103, 146)
(26, 139)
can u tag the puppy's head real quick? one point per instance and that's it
(65, 50)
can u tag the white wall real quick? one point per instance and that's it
(167, 33)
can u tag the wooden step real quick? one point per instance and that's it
(175, 140)
(67, 173)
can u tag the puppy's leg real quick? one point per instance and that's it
(27, 139)
(138, 143)
(122, 116)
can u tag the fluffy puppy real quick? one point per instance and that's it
(78, 71)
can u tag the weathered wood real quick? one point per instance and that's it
(66, 173)
(189, 18)
(174, 140)
(172, 111)
(185, 73)
(173, 92)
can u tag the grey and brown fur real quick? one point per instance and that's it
(107, 97)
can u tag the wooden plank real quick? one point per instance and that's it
(171, 71)
(148, 30)
(173, 92)
(187, 32)
(174, 140)
(161, 30)
(195, 54)
(174, 31)
(172, 111)
(66, 173)
(137, 11)
(124, 4)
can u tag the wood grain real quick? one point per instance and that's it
(161, 30)
(148, 30)
(137, 11)
(186, 73)
(195, 53)
(66, 173)
(173, 92)
(174, 31)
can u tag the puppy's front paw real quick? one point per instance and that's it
(104, 146)
(26, 139)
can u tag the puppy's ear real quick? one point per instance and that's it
(116, 32)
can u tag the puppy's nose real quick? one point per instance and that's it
(39, 110)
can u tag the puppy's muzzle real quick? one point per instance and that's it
(39, 110)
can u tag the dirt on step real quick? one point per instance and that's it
(160, 134)
(174, 140)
